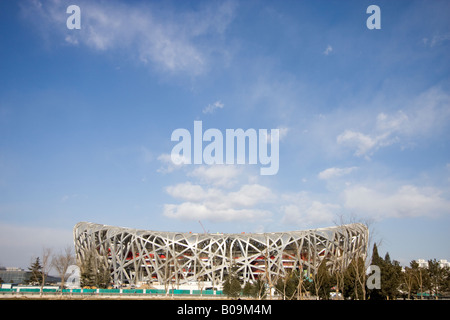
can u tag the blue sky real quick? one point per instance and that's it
(86, 118)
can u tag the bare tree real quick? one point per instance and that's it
(287, 285)
(409, 280)
(300, 278)
(61, 262)
(321, 279)
(420, 275)
(45, 266)
(359, 272)
(358, 265)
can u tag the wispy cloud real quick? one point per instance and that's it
(335, 172)
(436, 40)
(167, 41)
(216, 205)
(167, 163)
(328, 50)
(383, 201)
(218, 175)
(226, 194)
(68, 197)
(303, 210)
(282, 134)
(210, 108)
(423, 115)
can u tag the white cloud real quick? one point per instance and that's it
(198, 211)
(385, 134)
(305, 210)
(210, 108)
(424, 116)
(361, 142)
(168, 165)
(251, 202)
(217, 175)
(282, 134)
(379, 201)
(250, 195)
(217, 205)
(168, 41)
(328, 50)
(436, 40)
(405, 201)
(193, 192)
(335, 172)
(391, 123)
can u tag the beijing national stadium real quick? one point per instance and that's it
(142, 256)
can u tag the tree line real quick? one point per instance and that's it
(411, 282)
(94, 271)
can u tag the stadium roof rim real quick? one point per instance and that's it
(93, 225)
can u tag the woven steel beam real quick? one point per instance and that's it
(177, 258)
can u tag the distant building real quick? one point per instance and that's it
(424, 263)
(14, 275)
(444, 263)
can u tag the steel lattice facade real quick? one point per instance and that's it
(169, 257)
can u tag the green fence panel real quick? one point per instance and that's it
(208, 291)
(89, 290)
(179, 291)
(29, 290)
(126, 291)
(114, 291)
(109, 291)
(156, 291)
(196, 291)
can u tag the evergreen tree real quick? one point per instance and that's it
(87, 272)
(232, 285)
(95, 271)
(354, 280)
(103, 278)
(322, 281)
(390, 278)
(287, 286)
(248, 290)
(348, 290)
(391, 275)
(257, 289)
(445, 285)
(376, 294)
(437, 277)
(36, 273)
